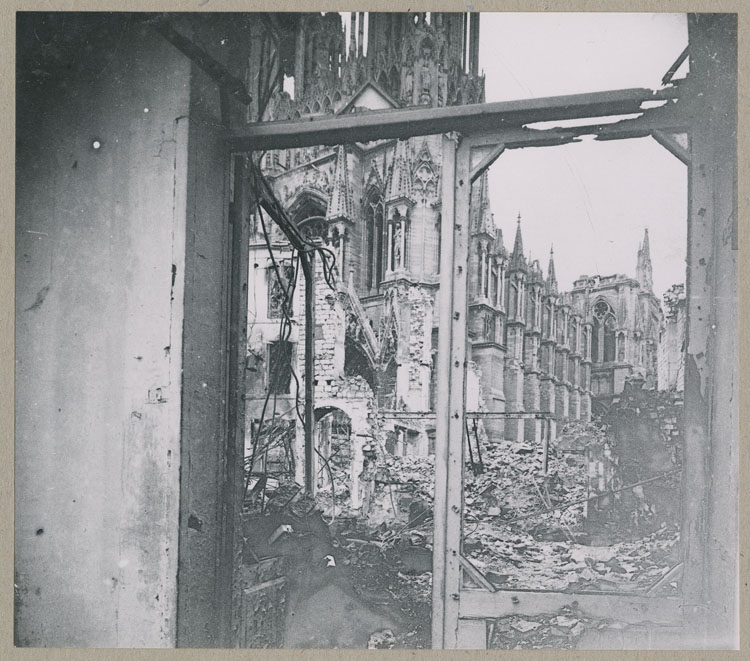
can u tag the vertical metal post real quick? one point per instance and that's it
(451, 404)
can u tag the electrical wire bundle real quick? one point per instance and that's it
(303, 252)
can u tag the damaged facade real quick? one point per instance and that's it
(131, 283)
(377, 208)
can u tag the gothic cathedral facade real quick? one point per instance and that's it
(376, 208)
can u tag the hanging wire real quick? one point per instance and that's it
(303, 247)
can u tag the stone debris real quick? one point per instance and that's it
(525, 626)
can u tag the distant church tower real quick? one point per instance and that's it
(643, 267)
(376, 207)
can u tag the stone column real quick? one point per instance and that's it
(513, 399)
(561, 403)
(574, 405)
(547, 399)
(532, 402)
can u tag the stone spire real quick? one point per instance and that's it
(340, 203)
(551, 277)
(517, 259)
(644, 273)
(484, 221)
(352, 36)
(399, 183)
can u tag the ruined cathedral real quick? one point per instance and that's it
(376, 208)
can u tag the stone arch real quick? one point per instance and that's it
(348, 464)
(358, 363)
(333, 441)
(307, 203)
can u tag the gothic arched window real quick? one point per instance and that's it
(374, 238)
(603, 345)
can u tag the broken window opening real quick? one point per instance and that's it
(280, 367)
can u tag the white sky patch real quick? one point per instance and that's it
(591, 199)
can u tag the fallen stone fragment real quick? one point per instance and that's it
(383, 639)
(565, 622)
(525, 625)
(577, 630)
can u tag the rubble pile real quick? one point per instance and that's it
(404, 488)
(510, 559)
(513, 487)
(561, 630)
(390, 568)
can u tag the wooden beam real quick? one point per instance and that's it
(477, 576)
(456, 410)
(408, 122)
(667, 141)
(429, 416)
(671, 118)
(632, 609)
(443, 394)
(488, 160)
(217, 71)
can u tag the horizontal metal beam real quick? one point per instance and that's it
(406, 122)
(632, 609)
(670, 118)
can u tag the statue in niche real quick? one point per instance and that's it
(397, 244)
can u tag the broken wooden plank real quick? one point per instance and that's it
(631, 609)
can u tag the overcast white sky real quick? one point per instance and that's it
(591, 200)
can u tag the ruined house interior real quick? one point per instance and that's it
(321, 399)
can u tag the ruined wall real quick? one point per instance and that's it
(123, 354)
(99, 282)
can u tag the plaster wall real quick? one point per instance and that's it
(99, 290)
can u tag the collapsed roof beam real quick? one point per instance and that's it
(468, 119)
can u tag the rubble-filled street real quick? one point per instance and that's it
(524, 529)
